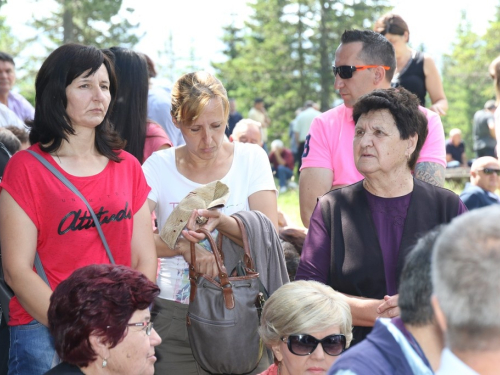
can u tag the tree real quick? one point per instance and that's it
(93, 22)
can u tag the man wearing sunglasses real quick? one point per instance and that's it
(364, 61)
(407, 345)
(480, 191)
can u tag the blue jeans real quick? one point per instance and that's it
(284, 174)
(32, 349)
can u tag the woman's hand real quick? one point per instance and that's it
(205, 260)
(208, 219)
(389, 308)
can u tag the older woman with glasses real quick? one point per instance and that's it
(307, 325)
(415, 71)
(359, 235)
(99, 318)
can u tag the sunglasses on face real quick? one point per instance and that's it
(306, 344)
(345, 71)
(489, 171)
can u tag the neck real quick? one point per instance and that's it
(80, 144)
(4, 98)
(430, 339)
(397, 184)
(483, 362)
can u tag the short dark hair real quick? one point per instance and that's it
(376, 50)
(258, 100)
(96, 300)
(10, 141)
(415, 287)
(51, 123)
(6, 57)
(130, 112)
(404, 108)
(21, 134)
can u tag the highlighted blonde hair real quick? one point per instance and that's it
(191, 94)
(304, 307)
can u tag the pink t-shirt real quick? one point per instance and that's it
(67, 238)
(329, 144)
(155, 138)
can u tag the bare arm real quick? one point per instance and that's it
(432, 173)
(435, 87)
(449, 158)
(266, 202)
(144, 257)
(491, 125)
(19, 240)
(313, 183)
(366, 310)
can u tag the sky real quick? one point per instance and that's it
(196, 25)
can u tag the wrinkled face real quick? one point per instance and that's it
(317, 363)
(486, 181)
(361, 82)
(205, 135)
(88, 99)
(377, 144)
(7, 76)
(250, 135)
(134, 355)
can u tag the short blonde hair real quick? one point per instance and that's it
(302, 306)
(191, 94)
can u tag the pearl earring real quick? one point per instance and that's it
(104, 363)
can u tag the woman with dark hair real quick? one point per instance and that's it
(360, 234)
(100, 321)
(415, 70)
(75, 87)
(129, 114)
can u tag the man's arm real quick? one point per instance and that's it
(313, 183)
(433, 173)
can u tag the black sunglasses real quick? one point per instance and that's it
(490, 171)
(306, 344)
(345, 71)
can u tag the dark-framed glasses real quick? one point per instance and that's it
(489, 171)
(306, 344)
(146, 326)
(345, 71)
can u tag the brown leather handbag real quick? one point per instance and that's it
(223, 314)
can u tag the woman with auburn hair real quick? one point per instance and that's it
(200, 110)
(75, 89)
(99, 318)
(415, 71)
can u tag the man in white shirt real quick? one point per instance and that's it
(466, 300)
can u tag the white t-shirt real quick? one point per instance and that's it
(250, 172)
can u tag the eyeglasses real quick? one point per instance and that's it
(147, 326)
(306, 344)
(345, 71)
(490, 171)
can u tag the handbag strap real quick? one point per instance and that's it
(72, 187)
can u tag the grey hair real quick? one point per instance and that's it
(466, 279)
(304, 307)
(242, 125)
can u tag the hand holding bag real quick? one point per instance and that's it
(223, 314)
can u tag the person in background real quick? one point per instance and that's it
(200, 109)
(258, 113)
(234, 117)
(129, 115)
(360, 235)
(9, 118)
(75, 90)
(480, 191)
(465, 275)
(407, 345)
(99, 318)
(483, 130)
(294, 145)
(10, 141)
(301, 126)
(364, 62)
(415, 70)
(22, 135)
(247, 131)
(14, 101)
(307, 325)
(159, 105)
(282, 162)
(455, 150)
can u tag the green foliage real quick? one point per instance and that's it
(284, 54)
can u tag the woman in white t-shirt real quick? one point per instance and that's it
(200, 110)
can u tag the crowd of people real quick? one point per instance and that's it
(390, 274)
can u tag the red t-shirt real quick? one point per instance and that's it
(67, 238)
(287, 156)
